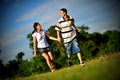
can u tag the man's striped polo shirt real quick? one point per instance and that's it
(66, 29)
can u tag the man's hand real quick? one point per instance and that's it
(78, 30)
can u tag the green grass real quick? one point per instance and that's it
(106, 67)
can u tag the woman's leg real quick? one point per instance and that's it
(51, 58)
(47, 60)
(50, 55)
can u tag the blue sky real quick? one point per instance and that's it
(18, 16)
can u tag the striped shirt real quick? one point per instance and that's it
(66, 29)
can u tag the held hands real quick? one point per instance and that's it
(59, 39)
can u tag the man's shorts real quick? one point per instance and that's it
(72, 47)
(43, 50)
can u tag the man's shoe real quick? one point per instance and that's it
(69, 63)
(82, 64)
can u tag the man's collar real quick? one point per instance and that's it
(67, 17)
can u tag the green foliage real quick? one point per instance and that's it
(29, 37)
(11, 68)
(2, 71)
(113, 43)
(39, 64)
(24, 68)
(35, 65)
(60, 61)
(89, 49)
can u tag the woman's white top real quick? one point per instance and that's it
(41, 39)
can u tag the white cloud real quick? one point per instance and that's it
(103, 21)
(39, 11)
(15, 35)
(107, 24)
(50, 8)
(31, 14)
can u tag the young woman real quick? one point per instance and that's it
(39, 38)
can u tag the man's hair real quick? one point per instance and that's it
(64, 10)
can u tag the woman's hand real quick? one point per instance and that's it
(34, 54)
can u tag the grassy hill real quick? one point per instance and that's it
(106, 67)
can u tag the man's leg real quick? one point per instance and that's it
(68, 52)
(80, 58)
(76, 49)
(69, 60)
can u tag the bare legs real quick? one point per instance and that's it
(48, 57)
(51, 58)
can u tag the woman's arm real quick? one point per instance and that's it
(52, 38)
(34, 45)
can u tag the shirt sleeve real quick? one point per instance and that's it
(73, 22)
(34, 35)
(72, 19)
(57, 27)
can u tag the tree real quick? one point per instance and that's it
(29, 37)
(113, 44)
(19, 56)
(83, 28)
(24, 68)
(2, 72)
(11, 69)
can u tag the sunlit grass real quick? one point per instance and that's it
(106, 67)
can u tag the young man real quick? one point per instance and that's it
(65, 28)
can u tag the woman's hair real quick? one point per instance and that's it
(64, 10)
(34, 26)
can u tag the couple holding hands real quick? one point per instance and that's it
(64, 28)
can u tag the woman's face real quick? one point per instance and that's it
(62, 13)
(38, 27)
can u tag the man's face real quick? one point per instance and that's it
(62, 13)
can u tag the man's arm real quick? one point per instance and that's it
(58, 36)
(73, 24)
(76, 28)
